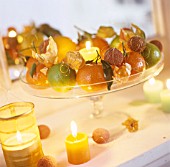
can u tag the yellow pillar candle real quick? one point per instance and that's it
(20, 139)
(152, 89)
(165, 97)
(89, 53)
(77, 146)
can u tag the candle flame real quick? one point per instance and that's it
(12, 33)
(19, 137)
(152, 81)
(168, 84)
(88, 45)
(73, 128)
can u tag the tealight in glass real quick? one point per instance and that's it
(19, 135)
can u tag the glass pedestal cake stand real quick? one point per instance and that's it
(96, 97)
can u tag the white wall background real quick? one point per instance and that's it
(64, 14)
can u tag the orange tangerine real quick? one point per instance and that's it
(30, 62)
(38, 78)
(136, 61)
(102, 44)
(91, 77)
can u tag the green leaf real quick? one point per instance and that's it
(105, 32)
(124, 50)
(139, 31)
(89, 61)
(33, 68)
(108, 73)
(33, 46)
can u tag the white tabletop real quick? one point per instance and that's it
(149, 146)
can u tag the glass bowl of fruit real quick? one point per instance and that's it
(79, 71)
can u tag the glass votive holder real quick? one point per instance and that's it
(19, 135)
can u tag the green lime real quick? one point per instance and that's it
(61, 77)
(151, 55)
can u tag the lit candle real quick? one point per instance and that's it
(20, 139)
(12, 34)
(89, 53)
(165, 97)
(22, 149)
(77, 146)
(152, 89)
(12, 38)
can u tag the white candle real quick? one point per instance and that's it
(152, 89)
(89, 53)
(165, 97)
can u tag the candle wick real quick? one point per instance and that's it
(75, 137)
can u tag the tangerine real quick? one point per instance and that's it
(30, 62)
(136, 61)
(64, 45)
(38, 77)
(91, 77)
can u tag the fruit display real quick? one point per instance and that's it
(57, 62)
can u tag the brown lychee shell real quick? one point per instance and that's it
(101, 135)
(44, 131)
(114, 57)
(47, 161)
(137, 44)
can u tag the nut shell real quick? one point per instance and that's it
(114, 57)
(101, 135)
(47, 161)
(136, 44)
(44, 131)
(158, 44)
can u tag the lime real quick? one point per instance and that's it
(151, 55)
(61, 77)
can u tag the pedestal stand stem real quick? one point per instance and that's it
(97, 102)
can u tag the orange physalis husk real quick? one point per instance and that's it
(131, 124)
(50, 57)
